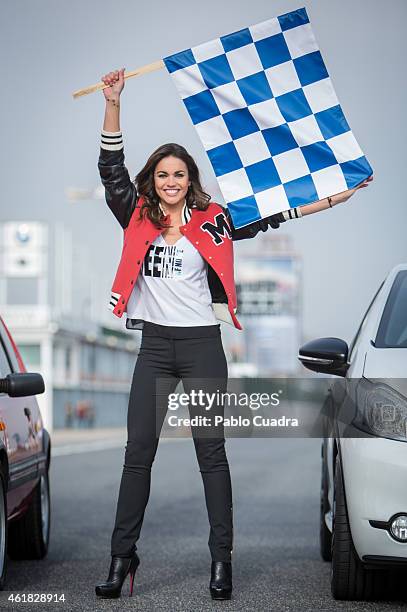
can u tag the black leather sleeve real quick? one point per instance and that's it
(119, 190)
(250, 231)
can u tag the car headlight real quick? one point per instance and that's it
(381, 411)
(398, 528)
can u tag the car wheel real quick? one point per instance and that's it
(29, 535)
(325, 536)
(349, 579)
(3, 531)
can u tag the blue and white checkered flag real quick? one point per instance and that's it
(268, 117)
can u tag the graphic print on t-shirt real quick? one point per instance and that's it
(163, 261)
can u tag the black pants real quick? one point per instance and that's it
(169, 354)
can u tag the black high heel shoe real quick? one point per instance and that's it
(120, 567)
(220, 585)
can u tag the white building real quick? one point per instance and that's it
(268, 275)
(86, 366)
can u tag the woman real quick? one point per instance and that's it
(174, 281)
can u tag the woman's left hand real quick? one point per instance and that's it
(339, 198)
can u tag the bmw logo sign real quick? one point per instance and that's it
(22, 233)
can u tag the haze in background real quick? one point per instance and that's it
(50, 48)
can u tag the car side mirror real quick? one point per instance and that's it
(22, 384)
(326, 355)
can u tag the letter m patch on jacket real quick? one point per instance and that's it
(218, 229)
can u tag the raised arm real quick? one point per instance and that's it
(339, 198)
(119, 190)
(249, 231)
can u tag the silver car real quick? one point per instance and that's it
(363, 526)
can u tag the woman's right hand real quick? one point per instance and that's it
(115, 82)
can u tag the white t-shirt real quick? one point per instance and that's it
(172, 286)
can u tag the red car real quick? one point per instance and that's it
(25, 447)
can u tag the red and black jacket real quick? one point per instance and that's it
(210, 231)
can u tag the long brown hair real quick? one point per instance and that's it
(144, 181)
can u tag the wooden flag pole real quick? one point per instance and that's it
(127, 75)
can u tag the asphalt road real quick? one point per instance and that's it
(276, 558)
